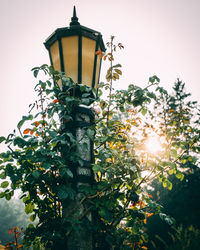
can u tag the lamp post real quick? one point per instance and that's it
(73, 50)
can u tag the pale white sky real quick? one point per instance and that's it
(160, 37)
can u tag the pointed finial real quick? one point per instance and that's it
(74, 19)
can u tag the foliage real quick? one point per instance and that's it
(42, 158)
(180, 238)
(184, 197)
(12, 215)
(17, 235)
(185, 239)
(181, 200)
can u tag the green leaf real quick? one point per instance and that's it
(19, 125)
(143, 111)
(62, 192)
(103, 104)
(49, 83)
(151, 79)
(117, 66)
(97, 168)
(180, 176)
(82, 88)
(31, 226)
(8, 196)
(27, 118)
(35, 73)
(121, 108)
(36, 174)
(85, 95)
(53, 134)
(2, 138)
(29, 208)
(24, 118)
(46, 165)
(172, 164)
(19, 142)
(151, 95)
(3, 175)
(154, 79)
(69, 173)
(66, 171)
(4, 184)
(174, 153)
(25, 199)
(85, 101)
(32, 217)
(169, 185)
(166, 218)
(190, 158)
(2, 194)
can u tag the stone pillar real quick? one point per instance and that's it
(81, 239)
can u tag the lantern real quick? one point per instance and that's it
(73, 50)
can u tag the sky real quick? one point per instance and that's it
(160, 37)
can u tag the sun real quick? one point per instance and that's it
(153, 144)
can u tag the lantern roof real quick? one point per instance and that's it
(74, 29)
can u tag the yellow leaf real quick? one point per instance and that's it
(150, 195)
(32, 131)
(118, 71)
(115, 76)
(145, 248)
(2, 247)
(99, 52)
(55, 101)
(108, 160)
(36, 124)
(150, 214)
(186, 121)
(26, 131)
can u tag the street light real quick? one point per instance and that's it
(72, 50)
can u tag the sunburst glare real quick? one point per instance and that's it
(153, 144)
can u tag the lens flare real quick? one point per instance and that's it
(153, 144)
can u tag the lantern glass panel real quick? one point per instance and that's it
(97, 69)
(54, 50)
(70, 56)
(88, 55)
